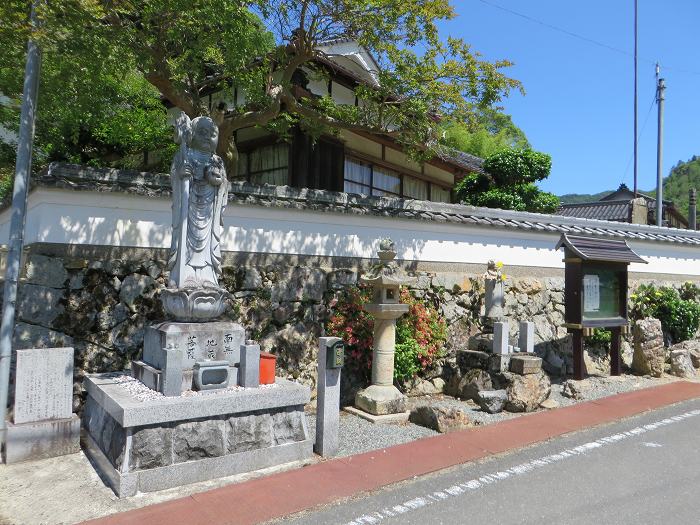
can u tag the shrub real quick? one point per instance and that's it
(601, 338)
(420, 334)
(679, 317)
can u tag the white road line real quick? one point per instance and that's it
(518, 470)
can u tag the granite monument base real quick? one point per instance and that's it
(42, 439)
(380, 400)
(144, 446)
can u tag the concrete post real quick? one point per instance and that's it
(692, 209)
(526, 336)
(249, 372)
(661, 88)
(327, 402)
(500, 337)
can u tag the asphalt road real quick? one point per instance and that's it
(642, 470)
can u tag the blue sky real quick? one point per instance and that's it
(578, 105)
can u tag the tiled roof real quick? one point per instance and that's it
(604, 210)
(70, 176)
(463, 160)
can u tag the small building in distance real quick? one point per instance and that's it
(622, 206)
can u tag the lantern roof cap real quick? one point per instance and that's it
(386, 272)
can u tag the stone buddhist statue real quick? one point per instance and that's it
(200, 191)
(493, 285)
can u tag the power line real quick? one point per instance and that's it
(639, 136)
(583, 38)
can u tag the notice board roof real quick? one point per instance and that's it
(596, 249)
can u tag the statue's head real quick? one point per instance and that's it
(205, 134)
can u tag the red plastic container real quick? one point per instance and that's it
(268, 362)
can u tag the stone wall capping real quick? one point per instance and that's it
(129, 412)
(75, 177)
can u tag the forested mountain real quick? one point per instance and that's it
(683, 176)
(576, 198)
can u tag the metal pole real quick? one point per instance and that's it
(635, 99)
(19, 206)
(660, 155)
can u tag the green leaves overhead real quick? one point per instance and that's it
(97, 50)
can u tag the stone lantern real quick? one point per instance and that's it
(382, 397)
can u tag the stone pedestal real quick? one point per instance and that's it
(143, 446)
(216, 340)
(382, 397)
(192, 342)
(380, 400)
(42, 439)
(43, 422)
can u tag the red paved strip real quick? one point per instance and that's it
(288, 492)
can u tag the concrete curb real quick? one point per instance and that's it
(282, 494)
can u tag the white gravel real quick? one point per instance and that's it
(141, 392)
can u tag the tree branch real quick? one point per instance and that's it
(174, 95)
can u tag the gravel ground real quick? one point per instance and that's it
(595, 387)
(55, 482)
(358, 435)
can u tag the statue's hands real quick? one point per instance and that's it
(187, 170)
(216, 172)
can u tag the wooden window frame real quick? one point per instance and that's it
(351, 154)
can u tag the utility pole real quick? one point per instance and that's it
(23, 168)
(635, 99)
(660, 88)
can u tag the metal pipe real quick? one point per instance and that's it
(23, 168)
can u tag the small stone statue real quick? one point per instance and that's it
(200, 192)
(493, 284)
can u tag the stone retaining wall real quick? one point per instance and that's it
(100, 307)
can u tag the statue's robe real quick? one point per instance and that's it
(199, 187)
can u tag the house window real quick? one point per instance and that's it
(369, 179)
(358, 177)
(385, 182)
(439, 194)
(415, 188)
(265, 165)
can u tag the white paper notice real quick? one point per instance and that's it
(591, 293)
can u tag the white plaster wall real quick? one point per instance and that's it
(67, 217)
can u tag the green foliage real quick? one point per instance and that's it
(95, 104)
(683, 177)
(679, 317)
(8, 154)
(513, 167)
(509, 183)
(689, 291)
(420, 334)
(492, 133)
(601, 338)
(406, 360)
